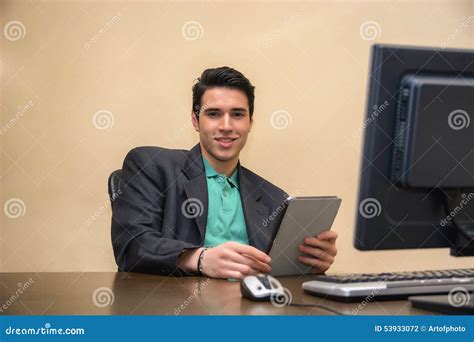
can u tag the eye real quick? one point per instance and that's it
(213, 114)
(239, 114)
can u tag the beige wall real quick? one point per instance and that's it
(133, 60)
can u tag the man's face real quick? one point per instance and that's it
(224, 123)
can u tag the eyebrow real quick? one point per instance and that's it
(218, 110)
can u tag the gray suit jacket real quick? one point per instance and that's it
(153, 219)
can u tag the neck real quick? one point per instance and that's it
(223, 167)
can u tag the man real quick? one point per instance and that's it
(199, 211)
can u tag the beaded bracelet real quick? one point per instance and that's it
(199, 266)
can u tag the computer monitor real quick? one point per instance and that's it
(417, 174)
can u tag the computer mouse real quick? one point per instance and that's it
(261, 287)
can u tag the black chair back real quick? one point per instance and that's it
(115, 180)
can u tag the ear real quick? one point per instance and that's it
(251, 123)
(195, 121)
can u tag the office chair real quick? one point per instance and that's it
(114, 184)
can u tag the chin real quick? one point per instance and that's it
(224, 157)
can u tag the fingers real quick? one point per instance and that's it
(235, 270)
(317, 253)
(234, 260)
(327, 246)
(329, 235)
(251, 251)
(319, 266)
(320, 251)
(232, 275)
(245, 270)
(252, 262)
(232, 270)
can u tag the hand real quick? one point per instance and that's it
(234, 260)
(228, 260)
(319, 251)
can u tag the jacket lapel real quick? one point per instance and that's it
(196, 187)
(255, 211)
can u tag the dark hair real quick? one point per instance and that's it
(222, 77)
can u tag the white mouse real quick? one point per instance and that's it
(261, 287)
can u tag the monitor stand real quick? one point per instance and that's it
(463, 247)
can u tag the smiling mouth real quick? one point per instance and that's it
(225, 140)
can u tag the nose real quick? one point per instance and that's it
(226, 123)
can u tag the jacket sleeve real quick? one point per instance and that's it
(137, 220)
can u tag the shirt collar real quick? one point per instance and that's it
(210, 173)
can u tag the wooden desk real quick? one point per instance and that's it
(142, 294)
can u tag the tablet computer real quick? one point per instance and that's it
(302, 217)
